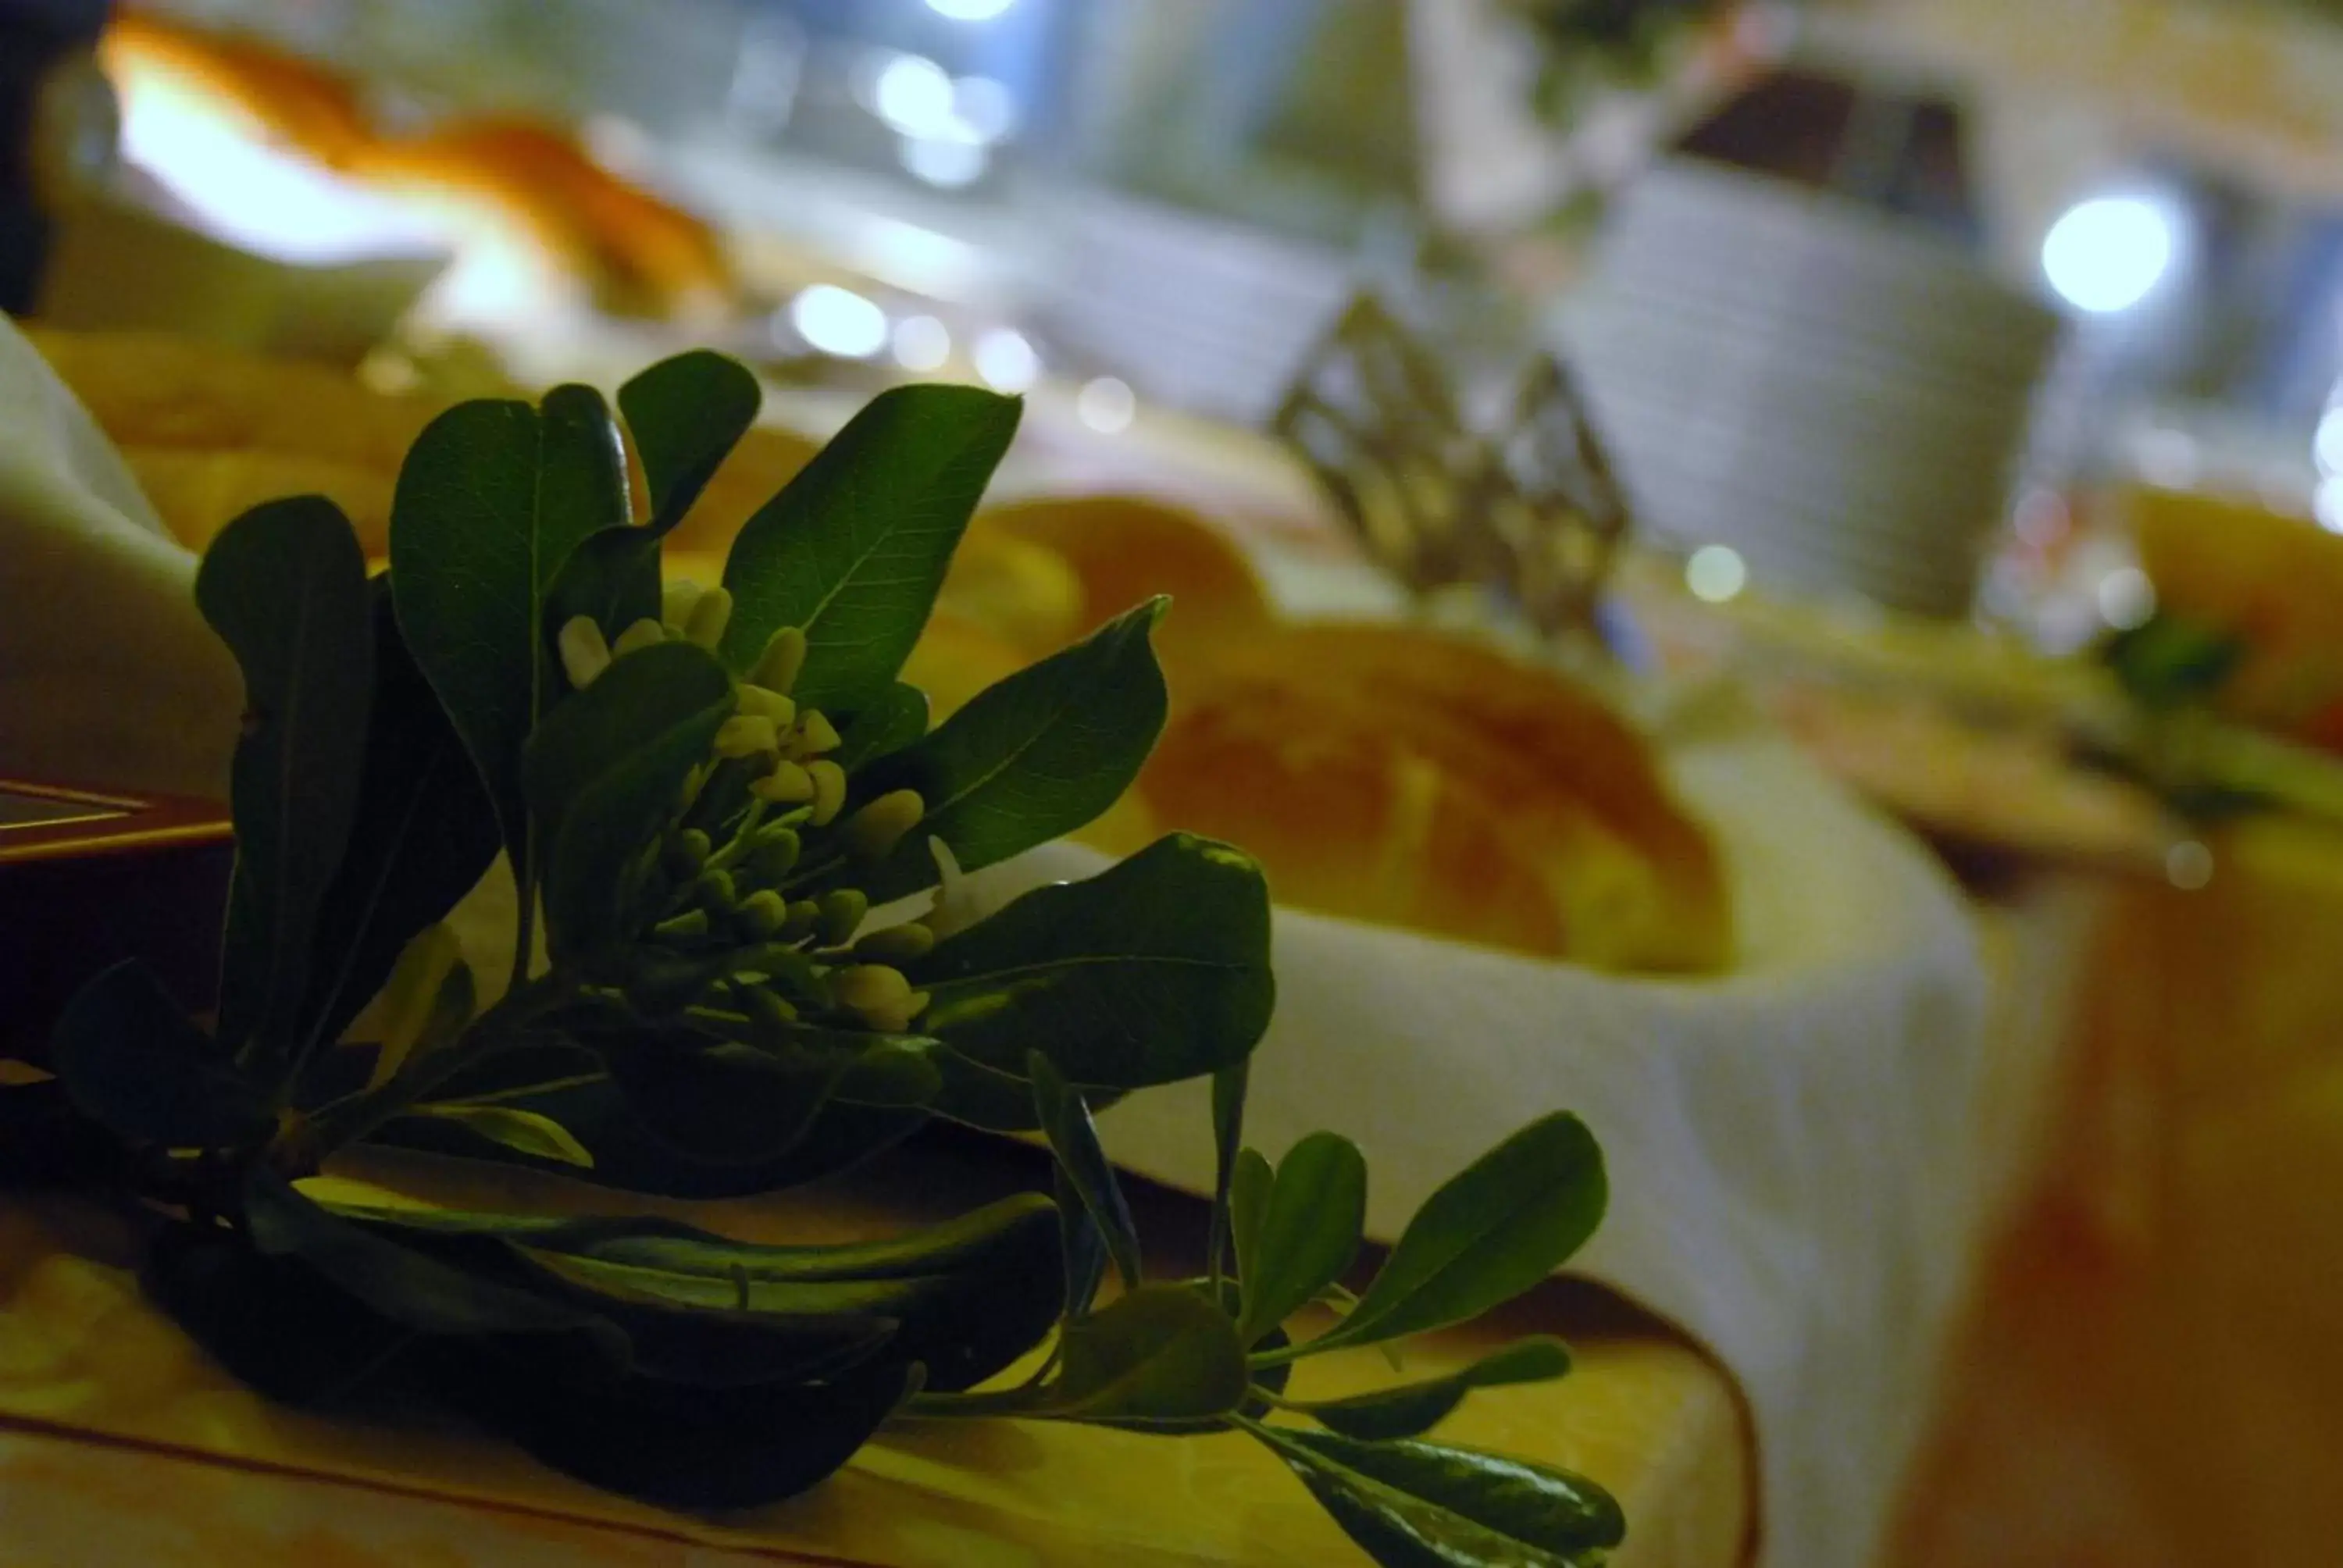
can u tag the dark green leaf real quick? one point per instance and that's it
(687, 412)
(1309, 1232)
(893, 718)
(986, 1097)
(854, 549)
(399, 1282)
(1154, 971)
(285, 588)
(1426, 1505)
(523, 1132)
(492, 498)
(1228, 1137)
(1493, 1231)
(130, 1060)
(1028, 759)
(731, 1102)
(691, 1448)
(569, 1084)
(1163, 1352)
(1415, 1409)
(1251, 1178)
(605, 770)
(1073, 1138)
(1079, 1241)
(612, 578)
(276, 1323)
(425, 834)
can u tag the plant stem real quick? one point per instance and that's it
(347, 1120)
(525, 941)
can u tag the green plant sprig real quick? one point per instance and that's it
(702, 795)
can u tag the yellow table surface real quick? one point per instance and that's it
(121, 1443)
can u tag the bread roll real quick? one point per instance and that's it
(1127, 548)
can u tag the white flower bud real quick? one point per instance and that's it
(676, 602)
(784, 657)
(786, 785)
(642, 634)
(746, 735)
(711, 614)
(584, 653)
(873, 831)
(772, 704)
(829, 791)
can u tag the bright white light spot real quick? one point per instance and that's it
(2190, 865)
(2327, 504)
(1716, 573)
(948, 163)
(1006, 361)
(2327, 445)
(921, 343)
(839, 321)
(913, 94)
(970, 10)
(2109, 254)
(985, 108)
(1106, 405)
(2127, 598)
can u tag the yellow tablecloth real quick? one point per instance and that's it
(120, 1443)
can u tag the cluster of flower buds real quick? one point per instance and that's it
(725, 922)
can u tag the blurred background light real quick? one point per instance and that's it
(970, 10)
(839, 321)
(1006, 360)
(1106, 405)
(922, 343)
(1716, 573)
(2109, 254)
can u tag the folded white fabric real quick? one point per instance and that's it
(108, 676)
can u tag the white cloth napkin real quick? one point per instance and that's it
(108, 676)
(1794, 1171)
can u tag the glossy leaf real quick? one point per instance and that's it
(493, 498)
(686, 414)
(854, 549)
(524, 1131)
(1309, 1231)
(1154, 971)
(1250, 1179)
(1426, 1505)
(731, 1102)
(1028, 759)
(569, 1084)
(424, 834)
(399, 1282)
(1414, 1409)
(285, 588)
(1490, 1233)
(604, 771)
(895, 716)
(1228, 1137)
(131, 1060)
(1081, 1243)
(1161, 1353)
(1073, 1138)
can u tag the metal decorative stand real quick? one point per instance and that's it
(1529, 508)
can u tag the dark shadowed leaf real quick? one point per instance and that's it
(1251, 1178)
(612, 578)
(284, 587)
(1490, 1231)
(1414, 1409)
(493, 498)
(1163, 1352)
(1426, 1505)
(854, 548)
(1028, 759)
(895, 716)
(129, 1059)
(686, 414)
(1228, 1136)
(1153, 971)
(731, 1102)
(523, 1132)
(605, 769)
(1308, 1233)
(423, 834)
(1073, 1138)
